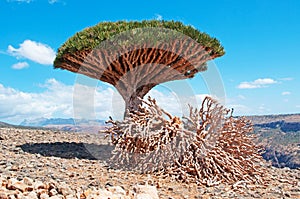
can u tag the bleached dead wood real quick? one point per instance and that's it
(207, 147)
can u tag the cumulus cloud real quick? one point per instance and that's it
(55, 101)
(20, 65)
(79, 101)
(258, 83)
(34, 51)
(286, 93)
(158, 17)
(176, 104)
(20, 1)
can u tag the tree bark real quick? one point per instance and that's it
(133, 99)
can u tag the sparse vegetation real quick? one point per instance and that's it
(281, 148)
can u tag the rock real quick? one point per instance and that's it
(44, 196)
(56, 197)
(86, 193)
(14, 168)
(101, 194)
(3, 195)
(32, 195)
(53, 192)
(20, 186)
(117, 190)
(206, 196)
(39, 185)
(108, 184)
(52, 184)
(27, 181)
(11, 182)
(41, 191)
(70, 197)
(143, 196)
(146, 191)
(43, 157)
(64, 189)
(12, 197)
(3, 182)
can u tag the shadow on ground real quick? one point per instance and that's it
(70, 150)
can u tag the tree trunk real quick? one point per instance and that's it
(133, 100)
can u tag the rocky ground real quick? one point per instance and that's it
(48, 164)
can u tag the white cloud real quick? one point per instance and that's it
(242, 97)
(297, 106)
(258, 83)
(53, 1)
(286, 79)
(34, 51)
(29, 1)
(169, 101)
(158, 17)
(20, 65)
(263, 109)
(239, 109)
(201, 97)
(176, 104)
(286, 93)
(80, 101)
(20, 1)
(55, 101)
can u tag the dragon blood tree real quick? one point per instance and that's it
(136, 56)
(208, 146)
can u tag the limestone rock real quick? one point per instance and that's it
(146, 191)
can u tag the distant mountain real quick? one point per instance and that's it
(3, 124)
(285, 122)
(280, 136)
(260, 119)
(69, 124)
(284, 126)
(43, 122)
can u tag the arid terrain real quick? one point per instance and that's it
(53, 164)
(280, 136)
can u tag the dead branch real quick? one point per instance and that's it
(207, 147)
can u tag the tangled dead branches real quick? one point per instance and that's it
(207, 147)
(147, 140)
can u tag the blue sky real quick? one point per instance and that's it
(260, 71)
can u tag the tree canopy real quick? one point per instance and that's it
(91, 37)
(136, 56)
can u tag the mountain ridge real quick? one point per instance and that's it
(278, 134)
(41, 122)
(66, 124)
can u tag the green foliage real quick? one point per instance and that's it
(91, 37)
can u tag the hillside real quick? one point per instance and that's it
(261, 119)
(54, 164)
(69, 124)
(280, 137)
(3, 124)
(278, 134)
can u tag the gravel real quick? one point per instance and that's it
(47, 164)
